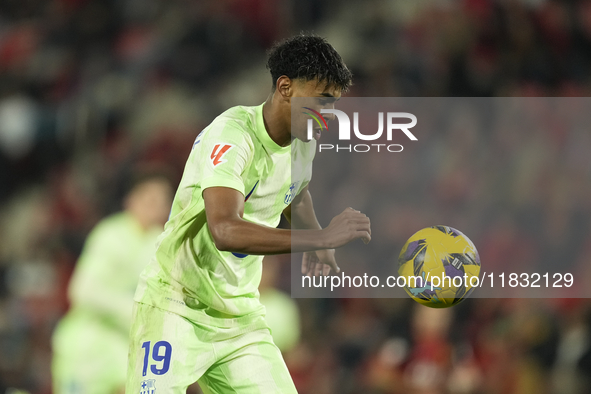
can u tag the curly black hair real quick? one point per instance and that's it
(309, 57)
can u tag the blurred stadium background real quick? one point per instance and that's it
(91, 90)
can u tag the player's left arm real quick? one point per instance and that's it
(301, 215)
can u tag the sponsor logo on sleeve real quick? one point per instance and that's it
(218, 153)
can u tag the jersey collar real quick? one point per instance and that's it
(263, 135)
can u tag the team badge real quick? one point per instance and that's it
(218, 152)
(290, 193)
(148, 387)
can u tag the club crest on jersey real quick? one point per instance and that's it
(148, 386)
(218, 152)
(291, 193)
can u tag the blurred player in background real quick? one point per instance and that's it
(198, 316)
(90, 343)
(282, 313)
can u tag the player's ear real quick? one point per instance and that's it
(285, 87)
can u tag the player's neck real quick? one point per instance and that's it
(274, 123)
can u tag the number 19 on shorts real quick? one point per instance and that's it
(160, 360)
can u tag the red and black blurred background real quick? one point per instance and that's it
(92, 90)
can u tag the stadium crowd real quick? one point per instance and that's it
(91, 90)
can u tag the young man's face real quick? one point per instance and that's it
(149, 202)
(318, 95)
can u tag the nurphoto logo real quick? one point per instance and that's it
(394, 123)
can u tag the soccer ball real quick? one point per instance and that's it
(439, 266)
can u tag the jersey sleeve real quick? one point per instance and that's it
(306, 180)
(225, 153)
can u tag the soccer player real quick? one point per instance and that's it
(198, 315)
(91, 342)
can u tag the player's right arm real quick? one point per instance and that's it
(225, 153)
(224, 208)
